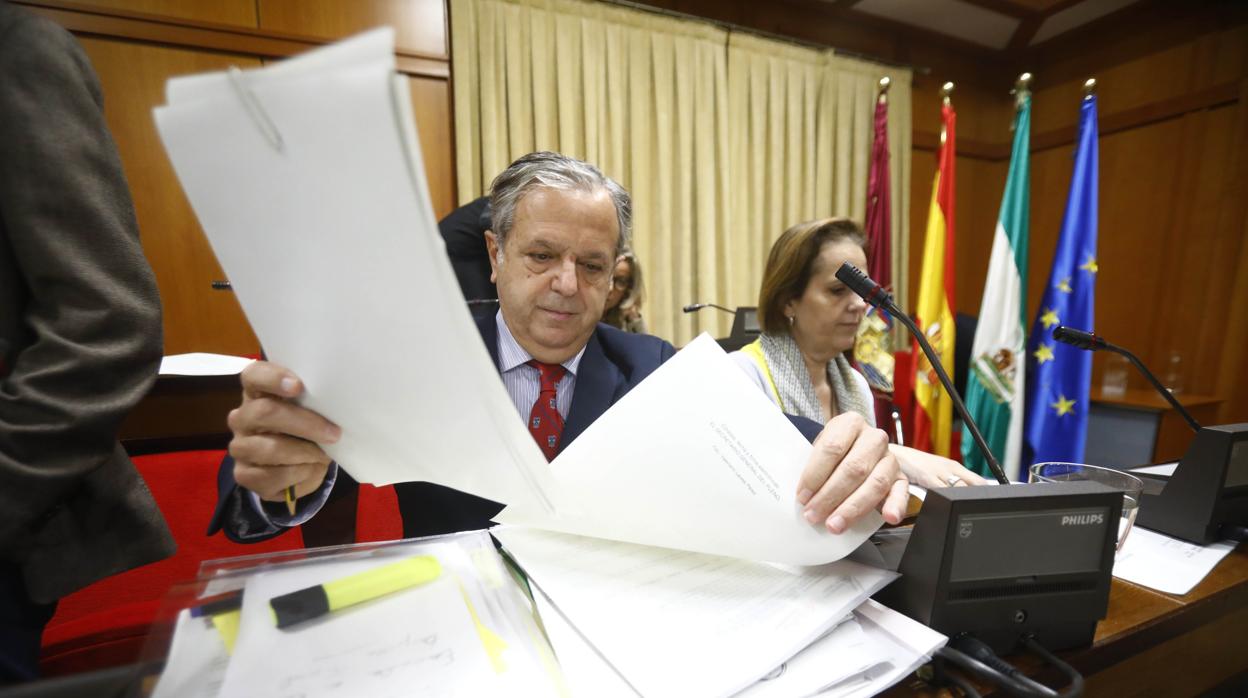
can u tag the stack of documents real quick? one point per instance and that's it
(667, 533)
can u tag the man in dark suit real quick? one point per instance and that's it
(558, 226)
(79, 340)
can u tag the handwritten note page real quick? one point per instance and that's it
(329, 239)
(419, 641)
(1167, 564)
(678, 623)
(694, 458)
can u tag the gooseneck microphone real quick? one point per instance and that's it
(875, 295)
(694, 307)
(1091, 342)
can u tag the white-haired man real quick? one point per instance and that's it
(558, 227)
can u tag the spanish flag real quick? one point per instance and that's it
(933, 414)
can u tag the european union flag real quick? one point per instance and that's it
(1059, 375)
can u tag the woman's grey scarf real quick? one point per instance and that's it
(793, 381)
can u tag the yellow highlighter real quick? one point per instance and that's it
(314, 602)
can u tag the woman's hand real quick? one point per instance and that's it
(929, 471)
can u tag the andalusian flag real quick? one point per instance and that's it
(933, 413)
(1059, 376)
(994, 388)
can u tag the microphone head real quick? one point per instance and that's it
(863, 285)
(1078, 338)
(693, 307)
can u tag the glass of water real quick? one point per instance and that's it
(1130, 485)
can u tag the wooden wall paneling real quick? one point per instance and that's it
(984, 113)
(1203, 63)
(420, 25)
(240, 13)
(1232, 373)
(1204, 251)
(196, 318)
(431, 102)
(980, 186)
(1137, 190)
(1162, 25)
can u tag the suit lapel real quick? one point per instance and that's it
(596, 382)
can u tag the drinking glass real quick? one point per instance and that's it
(1130, 485)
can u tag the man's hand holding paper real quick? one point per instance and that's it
(275, 444)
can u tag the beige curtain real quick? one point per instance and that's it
(723, 140)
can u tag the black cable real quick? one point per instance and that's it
(987, 673)
(1233, 532)
(977, 649)
(1076, 679)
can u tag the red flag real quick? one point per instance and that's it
(878, 222)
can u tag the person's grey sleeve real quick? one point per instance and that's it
(89, 343)
(274, 516)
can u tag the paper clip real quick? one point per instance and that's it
(255, 110)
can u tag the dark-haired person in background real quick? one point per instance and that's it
(80, 340)
(463, 231)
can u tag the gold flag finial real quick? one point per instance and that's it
(946, 90)
(1022, 88)
(884, 84)
(1089, 88)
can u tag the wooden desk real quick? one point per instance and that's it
(1172, 432)
(1155, 644)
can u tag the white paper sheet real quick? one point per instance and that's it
(586, 673)
(1166, 469)
(195, 667)
(708, 464)
(332, 249)
(1167, 564)
(901, 646)
(843, 652)
(680, 624)
(419, 641)
(202, 364)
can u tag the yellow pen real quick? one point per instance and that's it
(314, 602)
(290, 500)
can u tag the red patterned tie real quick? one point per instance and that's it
(544, 421)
